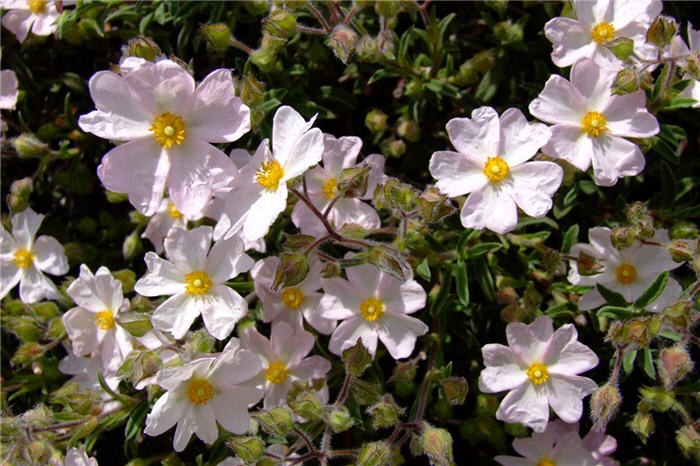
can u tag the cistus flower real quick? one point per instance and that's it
(491, 165)
(37, 16)
(194, 277)
(596, 24)
(92, 326)
(22, 259)
(540, 368)
(169, 126)
(75, 457)
(678, 48)
(322, 187)
(629, 271)
(260, 191)
(163, 221)
(590, 123)
(292, 304)
(204, 391)
(373, 305)
(283, 360)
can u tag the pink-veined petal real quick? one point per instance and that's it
(559, 103)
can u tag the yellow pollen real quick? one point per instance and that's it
(197, 282)
(603, 32)
(104, 319)
(37, 6)
(538, 373)
(269, 174)
(594, 124)
(371, 309)
(496, 169)
(546, 462)
(23, 258)
(626, 273)
(173, 212)
(276, 372)
(330, 188)
(292, 297)
(168, 129)
(199, 391)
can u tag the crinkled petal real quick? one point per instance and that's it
(186, 426)
(81, 330)
(559, 103)
(221, 308)
(188, 248)
(19, 22)
(49, 256)
(615, 157)
(503, 370)
(628, 116)
(231, 408)
(347, 334)
(226, 260)
(520, 139)
(176, 314)
(593, 82)
(34, 286)
(398, 332)
(526, 405)
(204, 418)
(534, 183)
(565, 392)
(457, 173)
(166, 412)
(570, 143)
(478, 136)
(8, 89)
(491, 208)
(287, 127)
(313, 367)
(570, 39)
(9, 275)
(162, 279)
(24, 227)
(575, 358)
(340, 153)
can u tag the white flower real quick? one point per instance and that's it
(321, 183)
(165, 219)
(196, 282)
(8, 89)
(92, 326)
(373, 304)
(22, 259)
(596, 441)
(205, 391)
(169, 125)
(38, 16)
(629, 271)
(283, 360)
(491, 165)
(75, 457)
(260, 190)
(540, 369)
(84, 371)
(590, 123)
(678, 48)
(597, 23)
(292, 304)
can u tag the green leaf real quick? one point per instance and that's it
(647, 363)
(443, 293)
(680, 102)
(617, 312)
(381, 74)
(668, 186)
(612, 297)
(481, 249)
(675, 336)
(654, 290)
(570, 238)
(628, 361)
(423, 270)
(662, 148)
(460, 271)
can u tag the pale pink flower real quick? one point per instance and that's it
(37, 16)
(283, 360)
(204, 391)
(22, 259)
(163, 221)
(491, 164)
(629, 271)
(590, 123)
(596, 441)
(321, 184)
(678, 48)
(8, 89)
(373, 305)
(597, 23)
(292, 304)
(169, 126)
(195, 279)
(260, 191)
(540, 368)
(75, 457)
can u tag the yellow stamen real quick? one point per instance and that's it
(594, 124)
(626, 273)
(269, 174)
(276, 372)
(496, 169)
(197, 282)
(538, 373)
(292, 297)
(173, 212)
(199, 391)
(37, 6)
(603, 32)
(546, 462)
(371, 309)
(330, 188)
(168, 129)
(104, 319)
(23, 258)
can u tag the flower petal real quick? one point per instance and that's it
(221, 308)
(162, 279)
(628, 116)
(34, 286)
(491, 208)
(226, 260)
(399, 332)
(24, 227)
(570, 39)
(564, 393)
(176, 315)
(526, 405)
(166, 412)
(520, 139)
(457, 173)
(503, 370)
(231, 407)
(478, 136)
(49, 256)
(188, 248)
(559, 103)
(534, 183)
(347, 334)
(615, 157)
(570, 143)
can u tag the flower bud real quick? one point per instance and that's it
(688, 441)
(437, 444)
(115, 198)
(342, 41)
(365, 392)
(56, 329)
(339, 419)
(135, 323)
(251, 91)
(403, 372)
(684, 230)
(393, 147)
(357, 359)
(199, 341)
(622, 237)
(292, 270)
(626, 82)
(127, 278)
(484, 61)
(25, 327)
(29, 146)
(683, 250)
(330, 270)
(693, 66)
(605, 403)
(467, 74)
(508, 33)
(454, 389)
(679, 314)
(353, 181)
(385, 413)
(307, 406)
(407, 129)
(36, 453)
(217, 35)
(367, 49)
(622, 47)
(387, 9)
(266, 55)
(588, 265)
(248, 449)
(275, 421)
(281, 23)
(18, 198)
(142, 47)
(643, 425)
(132, 246)
(657, 398)
(375, 121)
(662, 31)
(674, 363)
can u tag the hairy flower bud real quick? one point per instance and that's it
(688, 440)
(454, 389)
(587, 265)
(307, 406)
(132, 246)
(29, 146)
(217, 35)
(281, 23)
(266, 54)
(683, 250)
(605, 403)
(339, 419)
(622, 47)
(626, 82)
(662, 31)
(275, 421)
(393, 147)
(249, 449)
(622, 237)
(407, 129)
(357, 359)
(643, 425)
(437, 444)
(385, 413)
(367, 49)
(674, 363)
(18, 198)
(342, 41)
(375, 121)
(387, 9)
(374, 454)
(142, 47)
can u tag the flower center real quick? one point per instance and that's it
(168, 129)
(330, 188)
(594, 123)
(104, 319)
(197, 282)
(37, 6)
(371, 309)
(173, 212)
(603, 32)
(546, 462)
(276, 372)
(626, 273)
(199, 391)
(23, 258)
(538, 373)
(292, 297)
(496, 169)
(269, 174)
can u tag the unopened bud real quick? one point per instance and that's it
(248, 449)
(407, 129)
(588, 265)
(683, 250)
(357, 359)
(605, 403)
(365, 392)
(387, 9)
(393, 147)
(18, 198)
(684, 230)
(375, 121)
(200, 341)
(662, 31)
(674, 363)
(375, 453)
(281, 23)
(657, 398)
(622, 47)
(275, 421)
(403, 372)
(217, 35)
(47, 310)
(688, 441)
(643, 425)
(693, 66)
(626, 82)
(455, 389)
(142, 47)
(342, 41)
(266, 55)
(508, 33)
(437, 444)
(484, 61)
(132, 246)
(36, 453)
(29, 146)
(367, 49)
(623, 237)
(679, 314)
(385, 413)
(25, 327)
(339, 419)
(251, 91)
(56, 329)
(292, 270)
(467, 74)
(135, 323)
(307, 406)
